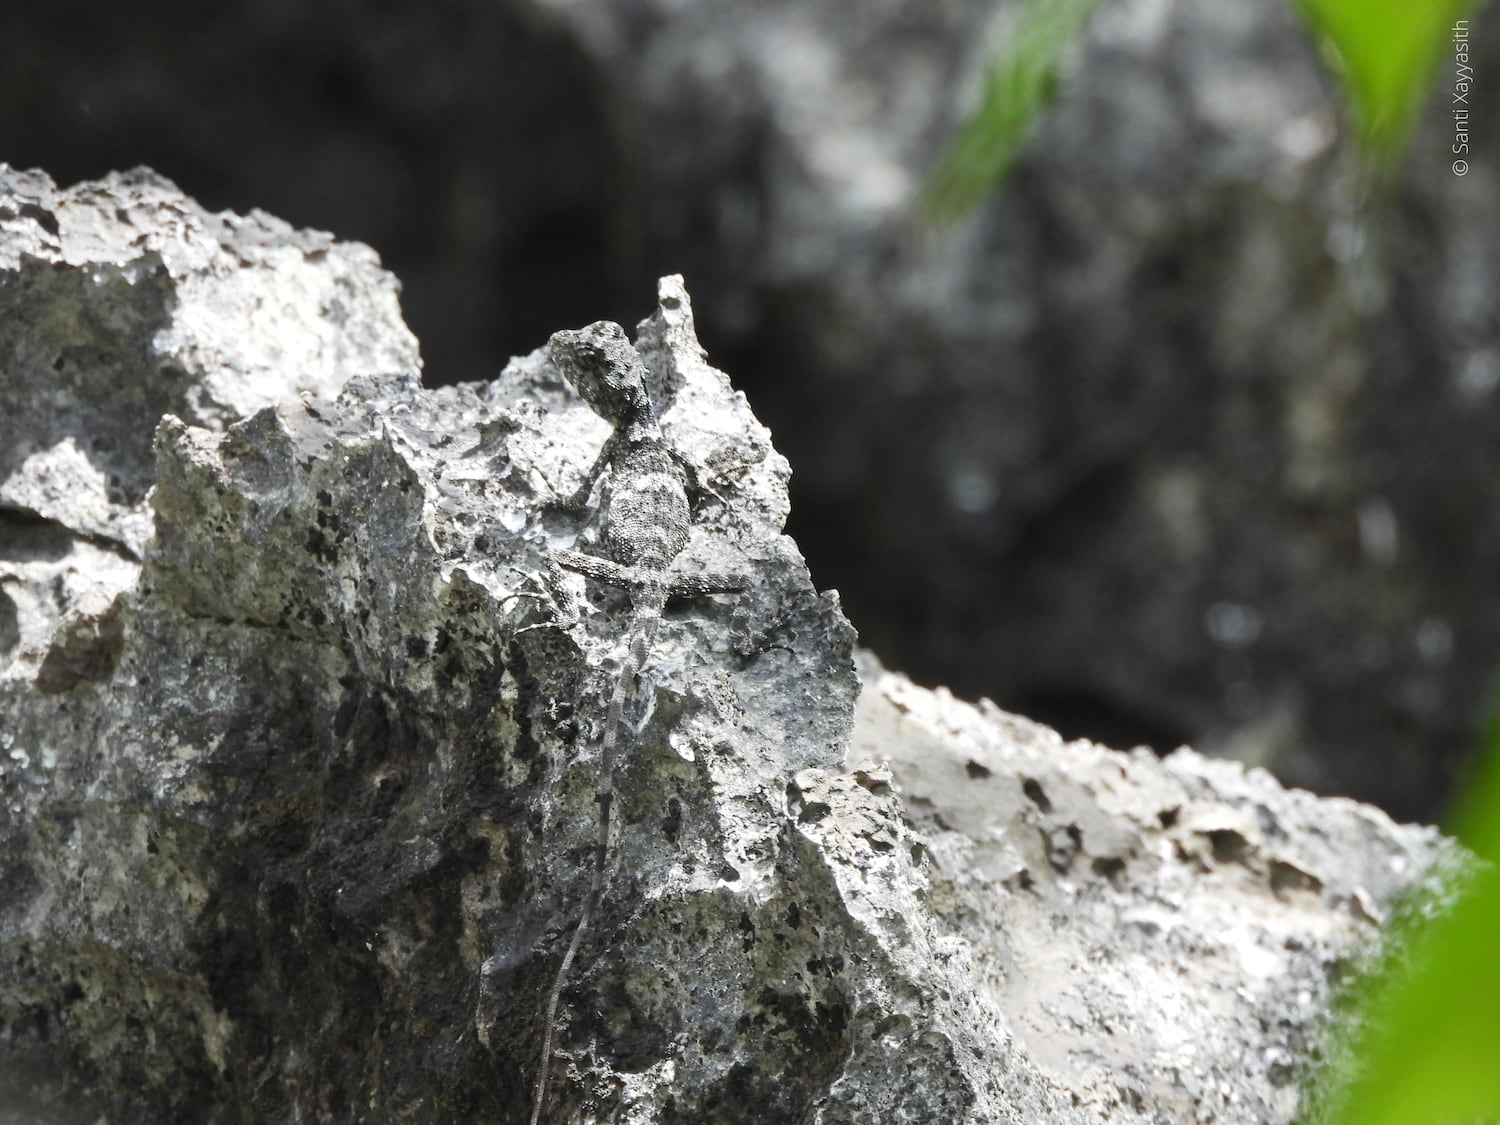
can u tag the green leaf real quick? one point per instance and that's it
(1429, 1052)
(1387, 53)
(1423, 1043)
(1020, 82)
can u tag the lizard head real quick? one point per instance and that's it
(603, 367)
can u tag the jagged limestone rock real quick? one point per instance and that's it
(1161, 936)
(124, 300)
(298, 812)
(1183, 360)
(1199, 432)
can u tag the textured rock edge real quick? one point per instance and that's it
(417, 846)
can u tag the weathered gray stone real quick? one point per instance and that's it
(1161, 937)
(297, 813)
(124, 299)
(1186, 434)
(1199, 432)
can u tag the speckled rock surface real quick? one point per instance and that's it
(1160, 936)
(296, 820)
(297, 813)
(124, 300)
(1197, 430)
(1201, 434)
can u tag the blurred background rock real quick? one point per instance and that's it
(1188, 431)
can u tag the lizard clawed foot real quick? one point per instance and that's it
(561, 608)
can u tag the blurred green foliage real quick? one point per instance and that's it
(1419, 1043)
(1020, 82)
(1385, 52)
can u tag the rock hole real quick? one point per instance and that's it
(1288, 877)
(1036, 794)
(1229, 846)
(1108, 867)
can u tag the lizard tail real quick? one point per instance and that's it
(539, 1093)
(648, 609)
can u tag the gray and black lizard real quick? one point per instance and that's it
(644, 525)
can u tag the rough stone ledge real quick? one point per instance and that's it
(297, 814)
(1161, 936)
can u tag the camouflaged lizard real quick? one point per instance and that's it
(644, 524)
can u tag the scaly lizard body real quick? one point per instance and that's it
(645, 523)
